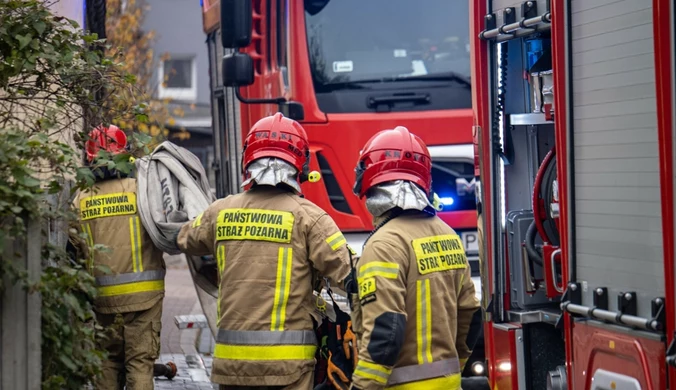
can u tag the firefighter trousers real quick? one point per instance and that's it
(304, 383)
(133, 345)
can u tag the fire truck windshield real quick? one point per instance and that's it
(354, 42)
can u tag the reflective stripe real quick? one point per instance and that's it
(282, 288)
(372, 371)
(336, 240)
(379, 268)
(220, 261)
(424, 321)
(442, 383)
(131, 288)
(266, 337)
(419, 372)
(198, 221)
(87, 229)
(135, 239)
(112, 280)
(265, 352)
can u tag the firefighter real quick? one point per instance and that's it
(415, 300)
(270, 245)
(129, 275)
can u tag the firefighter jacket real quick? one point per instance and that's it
(130, 271)
(414, 306)
(269, 245)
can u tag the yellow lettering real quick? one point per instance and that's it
(254, 224)
(439, 253)
(367, 286)
(109, 205)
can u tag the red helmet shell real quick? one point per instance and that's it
(111, 139)
(280, 137)
(394, 155)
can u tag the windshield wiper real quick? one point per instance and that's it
(447, 76)
(355, 84)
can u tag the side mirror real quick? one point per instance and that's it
(292, 110)
(236, 22)
(238, 70)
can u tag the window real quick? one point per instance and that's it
(178, 79)
(355, 40)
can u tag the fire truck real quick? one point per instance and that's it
(574, 138)
(345, 70)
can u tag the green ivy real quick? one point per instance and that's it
(53, 87)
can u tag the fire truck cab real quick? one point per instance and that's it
(574, 138)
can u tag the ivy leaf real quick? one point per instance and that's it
(40, 26)
(24, 40)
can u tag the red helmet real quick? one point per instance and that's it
(393, 155)
(279, 137)
(111, 139)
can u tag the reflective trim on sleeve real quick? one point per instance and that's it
(131, 288)
(266, 337)
(372, 371)
(442, 383)
(220, 261)
(282, 288)
(420, 372)
(198, 221)
(336, 240)
(265, 352)
(135, 239)
(379, 268)
(112, 280)
(424, 321)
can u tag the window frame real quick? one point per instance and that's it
(185, 94)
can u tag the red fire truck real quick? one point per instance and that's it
(346, 70)
(574, 132)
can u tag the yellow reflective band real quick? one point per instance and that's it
(367, 286)
(424, 321)
(87, 229)
(265, 352)
(439, 253)
(198, 221)
(131, 288)
(254, 224)
(336, 240)
(135, 239)
(110, 205)
(282, 288)
(451, 382)
(372, 371)
(220, 261)
(378, 268)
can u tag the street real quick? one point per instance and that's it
(179, 345)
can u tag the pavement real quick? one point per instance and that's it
(177, 345)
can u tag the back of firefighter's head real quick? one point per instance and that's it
(110, 139)
(280, 138)
(392, 155)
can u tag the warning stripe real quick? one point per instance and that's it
(379, 268)
(135, 239)
(282, 289)
(336, 240)
(220, 260)
(87, 229)
(424, 321)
